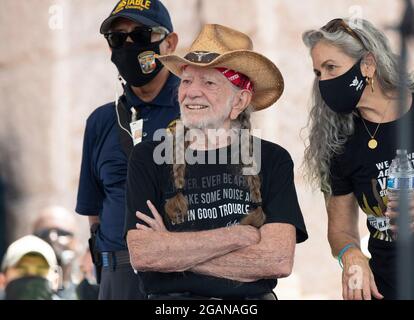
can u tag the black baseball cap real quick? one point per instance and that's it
(151, 13)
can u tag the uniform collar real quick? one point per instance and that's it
(166, 98)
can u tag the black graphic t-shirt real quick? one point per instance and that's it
(364, 172)
(218, 196)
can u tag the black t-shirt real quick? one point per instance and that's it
(217, 196)
(364, 172)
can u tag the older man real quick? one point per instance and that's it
(206, 229)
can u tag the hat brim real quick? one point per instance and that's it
(267, 80)
(106, 25)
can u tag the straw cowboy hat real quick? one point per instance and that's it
(219, 46)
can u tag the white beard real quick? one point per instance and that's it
(214, 122)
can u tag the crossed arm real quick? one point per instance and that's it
(241, 253)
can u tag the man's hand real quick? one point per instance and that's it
(155, 224)
(392, 213)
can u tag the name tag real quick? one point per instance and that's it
(136, 131)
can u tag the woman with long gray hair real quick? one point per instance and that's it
(352, 140)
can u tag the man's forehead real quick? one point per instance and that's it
(55, 217)
(124, 22)
(200, 71)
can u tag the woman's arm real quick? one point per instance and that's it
(357, 279)
(342, 221)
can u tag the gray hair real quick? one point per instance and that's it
(329, 131)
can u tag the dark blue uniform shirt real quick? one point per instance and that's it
(104, 162)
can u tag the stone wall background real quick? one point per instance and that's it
(52, 79)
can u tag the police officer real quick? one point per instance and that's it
(135, 32)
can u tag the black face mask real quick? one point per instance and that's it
(136, 63)
(29, 288)
(343, 93)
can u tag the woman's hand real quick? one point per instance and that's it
(392, 213)
(357, 279)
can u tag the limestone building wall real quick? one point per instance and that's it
(54, 72)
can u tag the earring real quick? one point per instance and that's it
(370, 82)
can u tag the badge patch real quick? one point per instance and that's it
(132, 4)
(147, 61)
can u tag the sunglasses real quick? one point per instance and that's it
(339, 24)
(45, 233)
(142, 35)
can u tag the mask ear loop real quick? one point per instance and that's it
(116, 106)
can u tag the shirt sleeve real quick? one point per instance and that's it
(340, 183)
(90, 194)
(142, 185)
(281, 203)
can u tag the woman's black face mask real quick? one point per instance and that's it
(136, 63)
(343, 93)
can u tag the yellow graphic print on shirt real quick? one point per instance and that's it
(376, 214)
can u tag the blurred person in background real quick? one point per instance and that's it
(29, 270)
(135, 32)
(352, 141)
(57, 226)
(87, 288)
